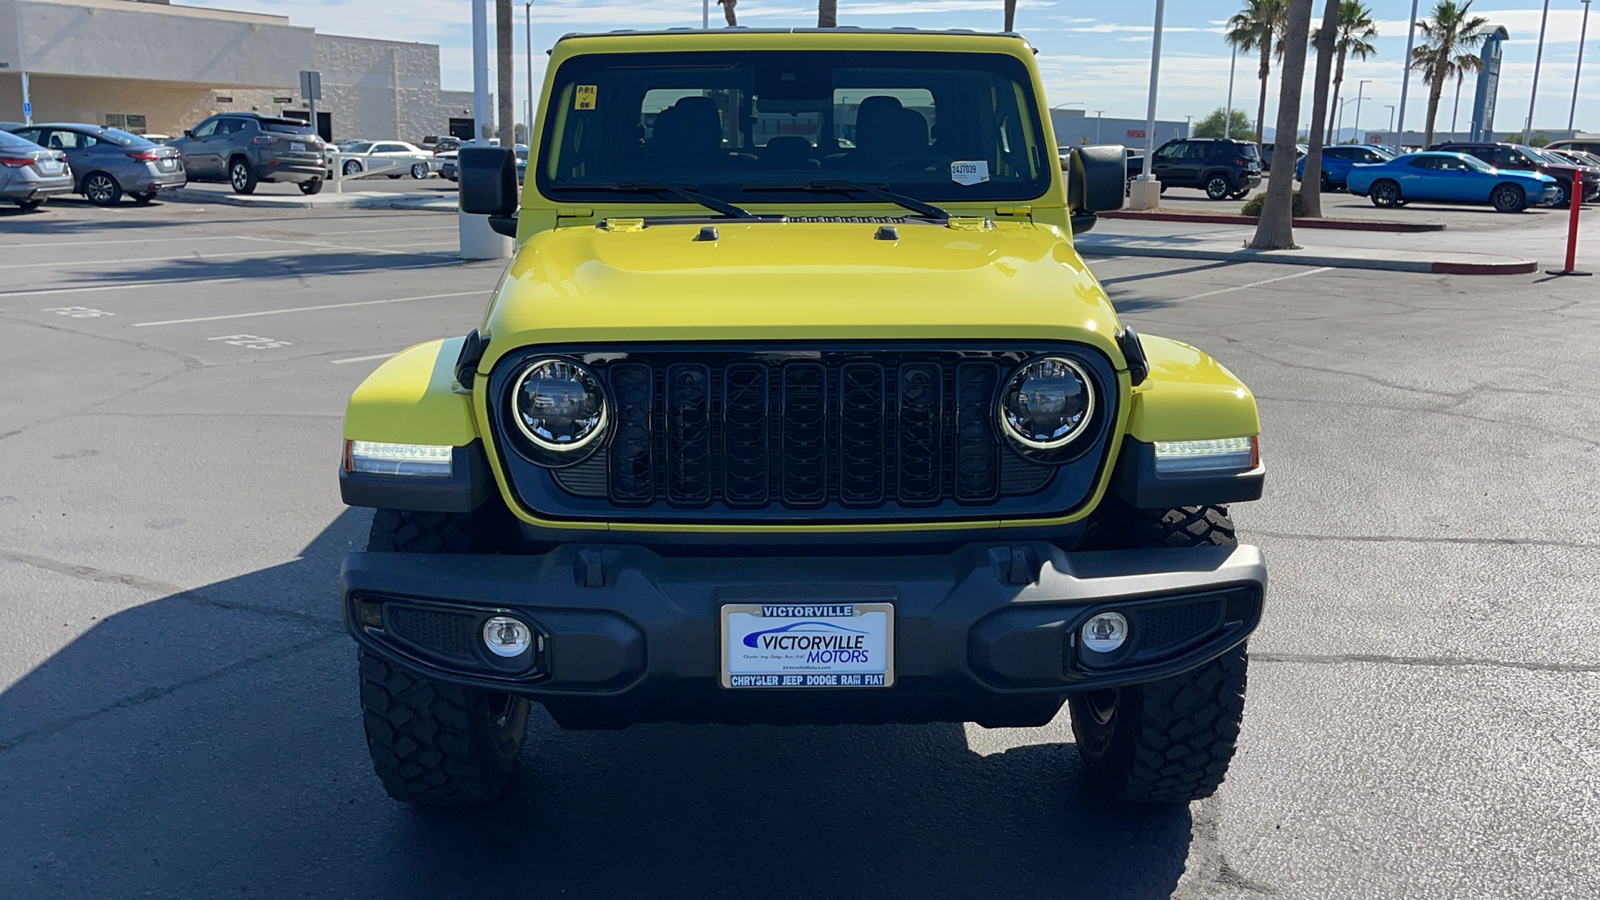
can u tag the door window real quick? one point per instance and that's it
(1425, 162)
(31, 134)
(206, 129)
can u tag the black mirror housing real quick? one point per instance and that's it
(1097, 179)
(488, 181)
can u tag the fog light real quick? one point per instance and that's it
(507, 637)
(1105, 632)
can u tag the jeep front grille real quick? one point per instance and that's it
(835, 432)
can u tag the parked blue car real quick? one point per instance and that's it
(1449, 178)
(1338, 160)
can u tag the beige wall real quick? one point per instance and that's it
(168, 107)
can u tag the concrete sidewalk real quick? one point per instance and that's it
(1438, 262)
(325, 200)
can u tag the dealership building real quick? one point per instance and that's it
(151, 67)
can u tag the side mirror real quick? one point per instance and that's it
(1097, 179)
(488, 185)
(188, 132)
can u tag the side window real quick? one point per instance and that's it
(1170, 151)
(229, 126)
(61, 139)
(206, 129)
(1425, 162)
(31, 134)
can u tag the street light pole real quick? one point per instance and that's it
(1098, 114)
(1390, 108)
(1360, 88)
(1155, 81)
(1527, 130)
(1188, 126)
(1405, 81)
(1583, 34)
(1227, 118)
(705, 14)
(528, 22)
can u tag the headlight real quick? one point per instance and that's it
(1047, 404)
(425, 460)
(558, 405)
(1180, 457)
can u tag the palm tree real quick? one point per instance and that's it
(1275, 228)
(1259, 27)
(1350, 40)
(1011, 14)
(1311, 183)
(827, 13)
(1450, 41)
(727, 12)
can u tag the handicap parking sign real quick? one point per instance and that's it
(27, 110)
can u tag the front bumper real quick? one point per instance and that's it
(985, 633)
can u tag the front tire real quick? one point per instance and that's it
(351, 168)
(1384, 194)
(419, 171)
(242, 176)
(434, 743)
(1167, 741)
(1218, 187)
(102, 189)
(1509, 198)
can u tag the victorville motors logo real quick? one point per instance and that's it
(822, 642)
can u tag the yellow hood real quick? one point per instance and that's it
(799, 281)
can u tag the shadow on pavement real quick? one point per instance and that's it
(292, 264)
(208, 744)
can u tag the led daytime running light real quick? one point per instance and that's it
(1236, 454)
(377, 458)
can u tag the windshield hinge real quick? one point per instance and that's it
(1013, 211)
(575, 212)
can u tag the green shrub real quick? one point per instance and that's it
(1252, 207)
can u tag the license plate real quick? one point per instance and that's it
(167, 164)
(807, 645)
(297, 146)
(50, 167)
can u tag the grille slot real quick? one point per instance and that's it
(1166, 627)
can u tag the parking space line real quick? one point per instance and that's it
(298, 309)
(356, 359)
(140, 259)
(331, 246)
(1256, 284)
(451, 260)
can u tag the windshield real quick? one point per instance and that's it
(285, 126)
(743, 126)
(9, 141)
(359, 147)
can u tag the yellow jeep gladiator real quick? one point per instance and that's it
(796, 405)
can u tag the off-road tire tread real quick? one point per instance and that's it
(410, 531)
(1185, 735)
(1184, 526)
(427, 746)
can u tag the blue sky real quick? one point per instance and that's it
(1092, 53)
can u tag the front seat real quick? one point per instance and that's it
(687, 136)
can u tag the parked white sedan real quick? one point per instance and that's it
(391, 158)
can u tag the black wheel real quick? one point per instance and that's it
(102, 189)
(144, 197)
(314, 186)
(419, 171)
(1327, 184)
(31, 205)
(1167, 741)
(1240, 195)
(1385, 194)
(351, 168)
(395, 177)
(434, 743)
(241, 176)
(1218, 187)
(1163, 189)
(1509, 198)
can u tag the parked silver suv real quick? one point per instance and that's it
(109, 162)
(243, 149)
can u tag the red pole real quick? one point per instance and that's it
(1572, 228)
(1572, 220)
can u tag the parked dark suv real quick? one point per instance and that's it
(244, 148)
(1527, 159)
(1221, 168)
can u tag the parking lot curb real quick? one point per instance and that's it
(365, 200)
(1224, 219)
(1339, 258)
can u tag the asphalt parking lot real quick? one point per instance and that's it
(177, 697)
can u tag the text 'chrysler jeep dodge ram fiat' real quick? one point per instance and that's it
(796, 405)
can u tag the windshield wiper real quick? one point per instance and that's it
(842, 186)
(657, 187)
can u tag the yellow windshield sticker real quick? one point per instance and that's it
(585, 96)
